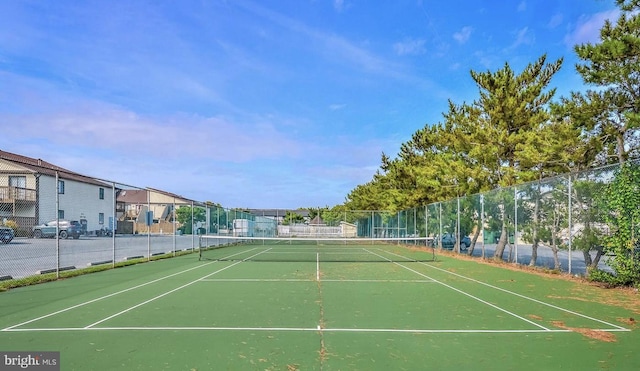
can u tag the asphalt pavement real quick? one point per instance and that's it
(24, 257)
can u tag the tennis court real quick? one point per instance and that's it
(291, 306)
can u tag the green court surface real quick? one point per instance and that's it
(402, 310)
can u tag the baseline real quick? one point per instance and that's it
(304, 329)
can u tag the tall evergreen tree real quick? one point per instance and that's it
(611, 112)
(510, 108)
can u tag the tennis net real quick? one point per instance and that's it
(228, 248)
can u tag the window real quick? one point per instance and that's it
(101, 218)
(19, 183)
(61, 187)
(60, 214)
(101, 193)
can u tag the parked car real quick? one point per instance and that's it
(67, 228)
(6, 234)
(449, 241)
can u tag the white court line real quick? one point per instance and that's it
(469, 295)
(306, 280)
(169, 292)
(14, 329)
(107, 296)
(389, 281)
(525, 297)
(256, 280)
(307, 329)
(103, 297)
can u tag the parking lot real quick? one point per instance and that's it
(29, 256)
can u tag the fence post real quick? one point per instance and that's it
(482, 222)
(148, 225)
(440, 229)
(458, 236)
(57, 187)
(193, 232)
(570, 223)
(114, 226)
(515, 223)
(426, 221)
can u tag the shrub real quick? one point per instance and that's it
(607, 278)
(11, 224)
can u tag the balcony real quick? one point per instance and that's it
(17, 194)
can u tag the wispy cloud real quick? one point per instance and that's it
(587, 30)
(68, 120)
(337, 47)
(247, 102)
(486, 59)
(555, 21)
(410, 47)
(204, 157)
(523, 36)
(463, 35)
(332, 45)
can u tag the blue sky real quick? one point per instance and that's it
(258, 104)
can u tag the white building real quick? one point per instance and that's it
(31, 188)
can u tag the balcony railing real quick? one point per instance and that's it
(12, 194)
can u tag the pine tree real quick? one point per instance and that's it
(611, 112)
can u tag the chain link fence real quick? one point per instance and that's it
(53, 220)
(558, 223)
(56, 220)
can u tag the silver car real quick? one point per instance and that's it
(66, 228)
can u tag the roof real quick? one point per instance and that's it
(139, 196)
(39, 166)
(182, 198)
(277, 212)
(316, 221)
(132, 196)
